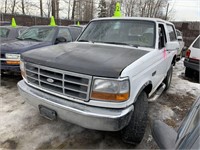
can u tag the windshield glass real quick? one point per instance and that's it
(124, 32)
(4, 32)
(38, 34)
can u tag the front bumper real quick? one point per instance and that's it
(191, 65)
(7, 67)
(91, 117)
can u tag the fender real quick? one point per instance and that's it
(148, 83)
(146, 86)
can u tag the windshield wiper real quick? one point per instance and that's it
(83, 41)
(33, 39)
(19, 38)
(118, 43)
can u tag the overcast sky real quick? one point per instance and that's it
(185, 10)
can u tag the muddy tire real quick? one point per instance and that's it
(168, 78)
(133, 133)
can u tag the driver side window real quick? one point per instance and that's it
(162, 36)
(64, 32)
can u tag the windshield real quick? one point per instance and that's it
(4, 32)
(38, 34)
(125, 32)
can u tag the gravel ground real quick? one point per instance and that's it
(21, 126)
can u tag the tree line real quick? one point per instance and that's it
(85, 10)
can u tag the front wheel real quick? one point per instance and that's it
(134, 131)
(168, 78)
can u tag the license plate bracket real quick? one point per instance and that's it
(47, 113)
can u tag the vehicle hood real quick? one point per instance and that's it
(18, 46)
(87, 58)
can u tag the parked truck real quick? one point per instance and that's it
(104, 79)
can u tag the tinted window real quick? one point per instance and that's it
(172, 34)
(125, 32)
(197, 43)
(64, 32)
(4, 32)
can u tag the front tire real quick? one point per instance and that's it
(133, 133)
(168, 78)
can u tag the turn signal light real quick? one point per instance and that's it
(13, 62)
(110, 96)
(187, 54)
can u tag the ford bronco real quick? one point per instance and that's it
(104, 79)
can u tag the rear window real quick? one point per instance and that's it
(197, 43)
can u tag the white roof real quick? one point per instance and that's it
(133, 18)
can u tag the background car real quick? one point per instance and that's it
(192, 59)
(8, 33)
(187, 136)
(34, 37)
(181, 43)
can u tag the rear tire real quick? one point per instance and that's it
(133, 133)
(168, 78)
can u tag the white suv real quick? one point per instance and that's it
(192, 58)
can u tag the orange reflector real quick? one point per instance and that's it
(13, 62)
(109, 96)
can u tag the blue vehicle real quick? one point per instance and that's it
(34, 37)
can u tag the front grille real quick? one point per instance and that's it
(60, 82)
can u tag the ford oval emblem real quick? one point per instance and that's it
(50, 80)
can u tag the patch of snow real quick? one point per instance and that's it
(181, 86)
(165, 113)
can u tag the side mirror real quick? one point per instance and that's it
(180, 38)
(172, 46)
(60, 40)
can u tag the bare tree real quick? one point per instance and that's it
(5, 6)
(23, 7)
(48, 4)
(13, 6)
(73, 10)
(55, 8)
(53, 11)
(41, 8)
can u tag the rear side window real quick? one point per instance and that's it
(172, 34)
(197, 43)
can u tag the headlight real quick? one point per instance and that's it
(12, 56)
(22, 68)
(105, 89)
(15, 57)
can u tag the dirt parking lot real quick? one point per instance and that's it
(23, 128)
